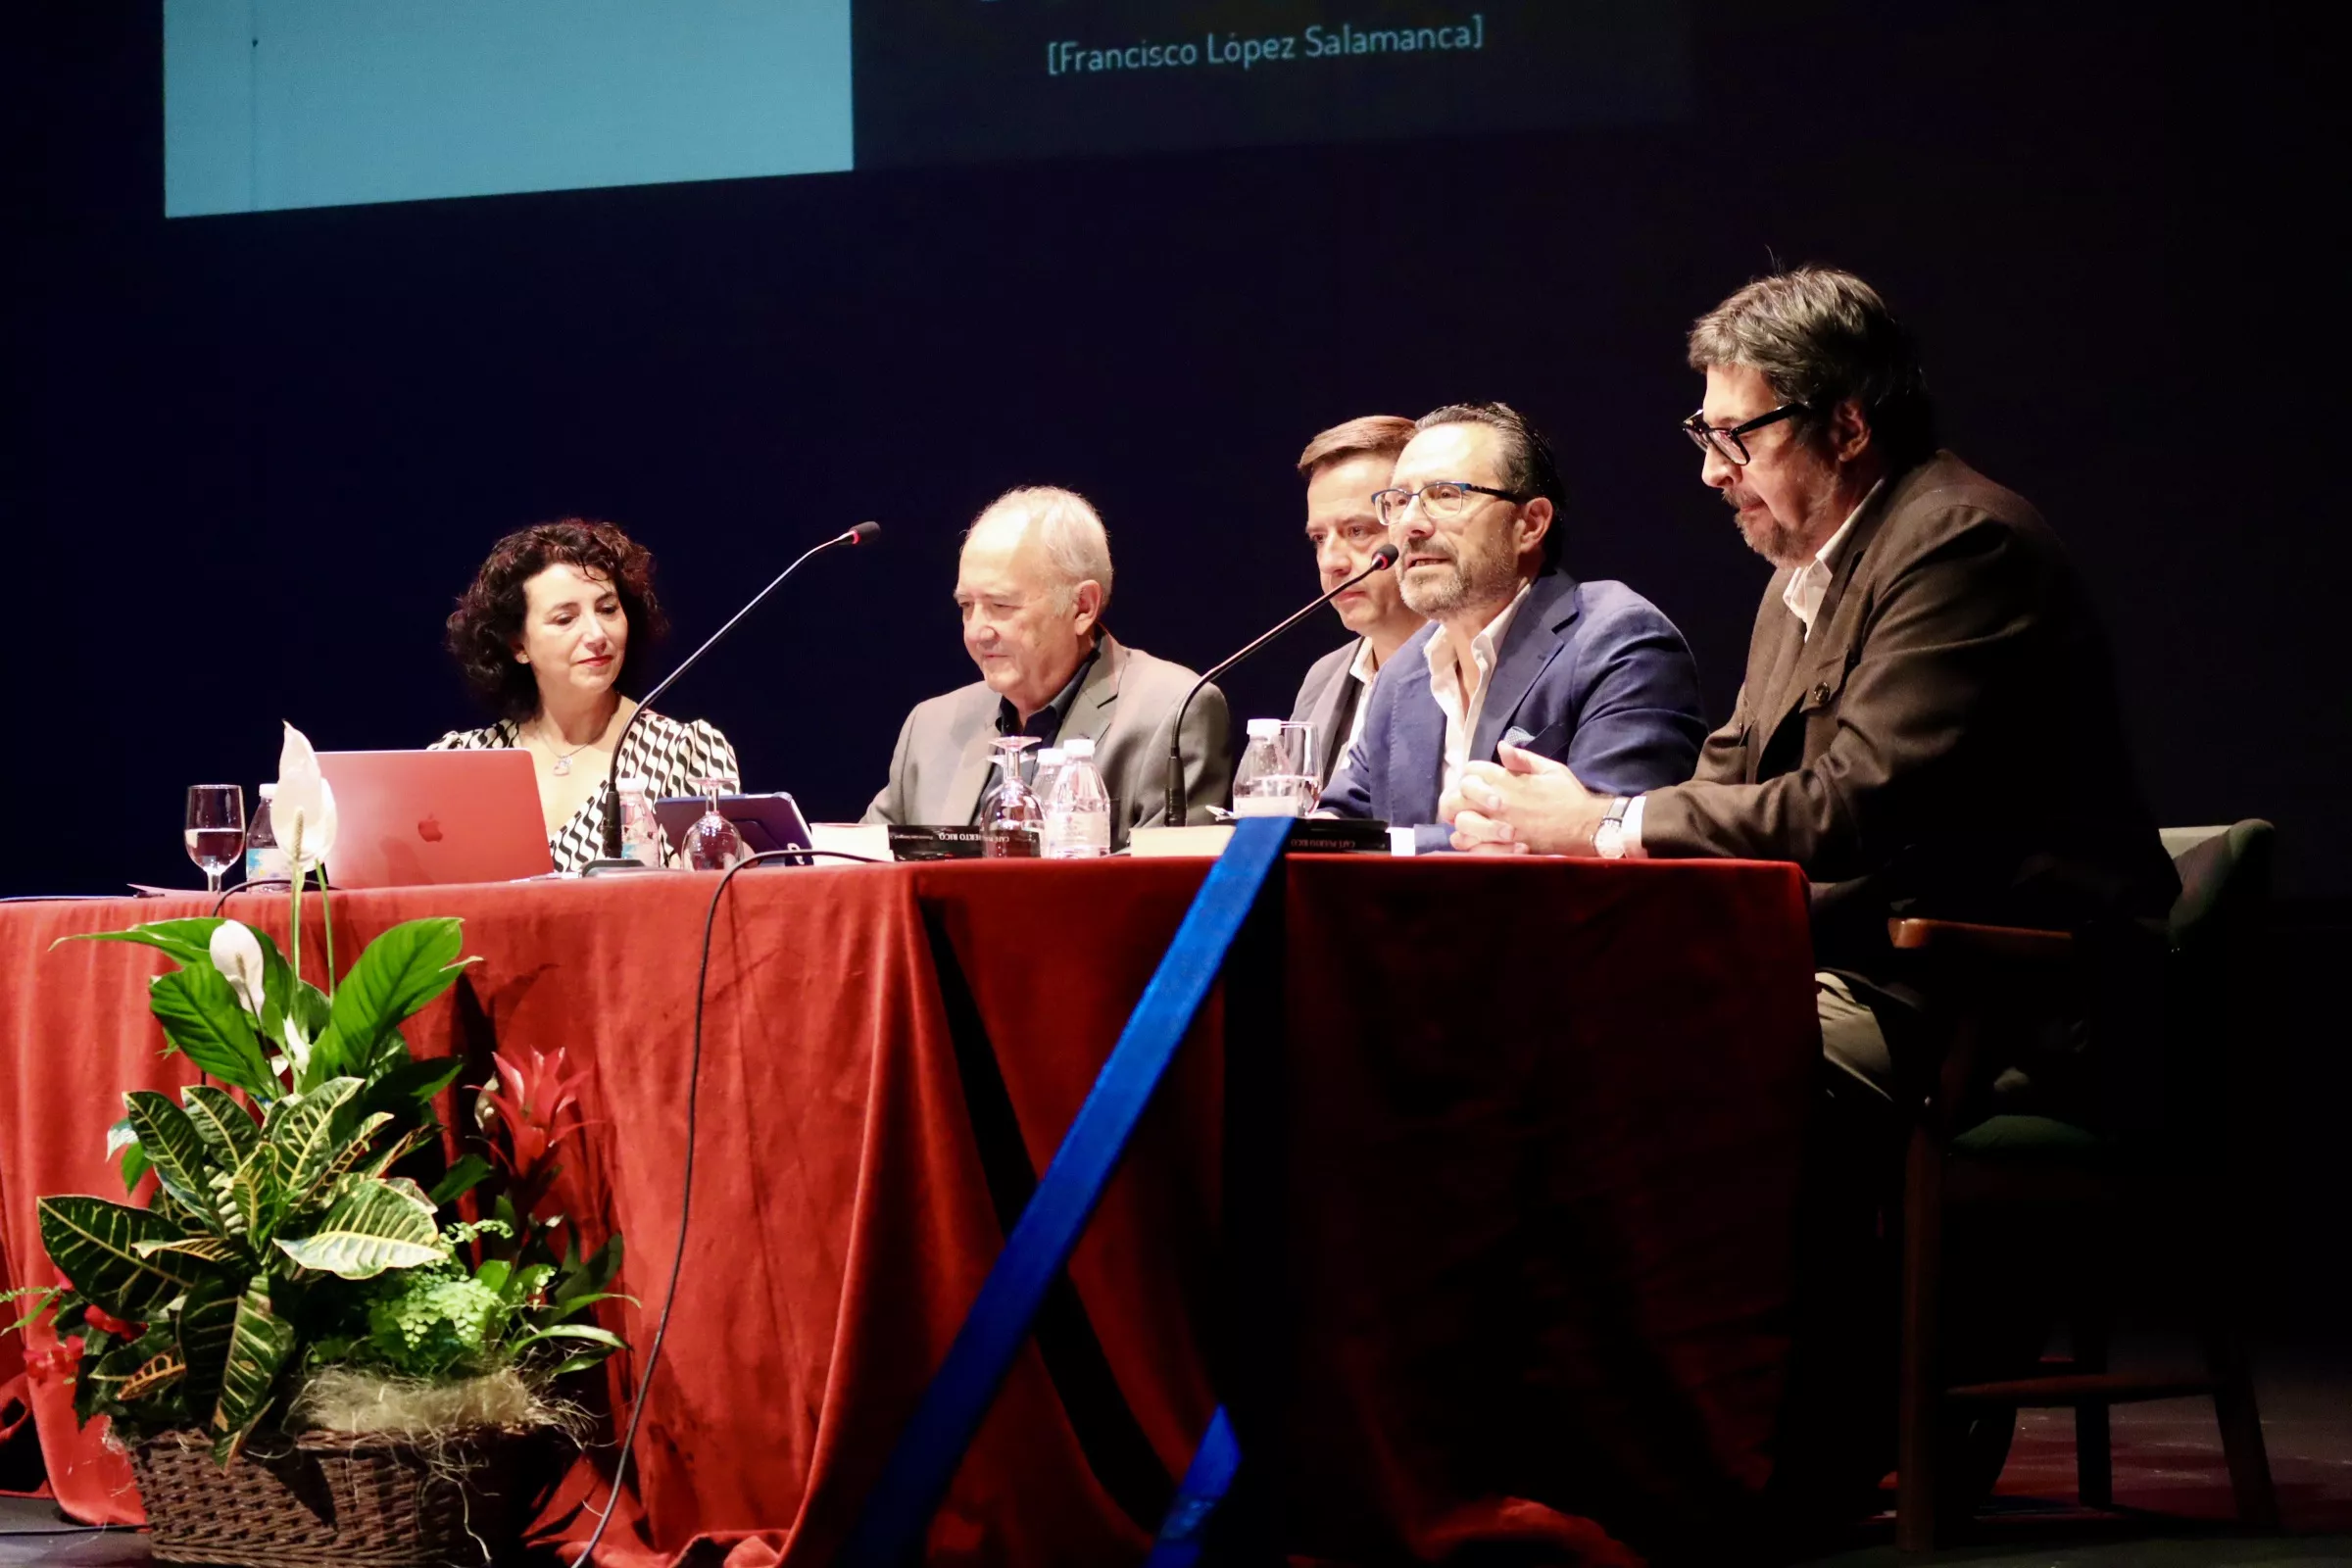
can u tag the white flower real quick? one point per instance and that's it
(298, 1049)
(303, 811)
(238, 957)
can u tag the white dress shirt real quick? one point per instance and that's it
(1462, 713)
(1806, 588)
(1364, 671)
(1802, 593)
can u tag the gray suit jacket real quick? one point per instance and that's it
(1127, 705)
(1327, 699)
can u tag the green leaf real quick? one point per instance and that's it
(494, 1275)
(375, 1225)
(190, 941)
(463, 1178)
(311, 1011)
(181, 1159)
(94, 1244)
(279, 988)
(299, 1131)
(530, 1281)
(573, 1305)
(313, 1020)
(603, 1341)
(89, 1393)
(200, 1016)
(206, 1320)
(201, 1249)
(406, 1086)
(346, 1159)
(134, 1167)
(249, 1201)
(401, 971)
(43, 1297)
(122, 1361)
(156, 1374)
(227, 1126)
(582, 1278)
(396, 1151)
(259, 1344)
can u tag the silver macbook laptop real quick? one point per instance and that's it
(424, 818)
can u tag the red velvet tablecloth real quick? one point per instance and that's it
(1540, 1127)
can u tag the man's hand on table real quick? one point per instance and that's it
(1524, 805)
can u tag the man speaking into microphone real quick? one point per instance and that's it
(1587, 673)
(1031, 589)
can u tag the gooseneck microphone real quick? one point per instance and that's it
(611, 860)
(1382, 559)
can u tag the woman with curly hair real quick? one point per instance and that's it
(552, 636)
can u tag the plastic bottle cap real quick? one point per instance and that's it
(1078, 746)
(1265, 727)
(633, 786)
(268, 792)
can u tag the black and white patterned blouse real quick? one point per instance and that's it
(667, 755)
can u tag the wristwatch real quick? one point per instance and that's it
(1609, 834)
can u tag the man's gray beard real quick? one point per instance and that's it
(1470, 582)
(1776, 542)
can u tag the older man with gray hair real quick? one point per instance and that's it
(1032, 588)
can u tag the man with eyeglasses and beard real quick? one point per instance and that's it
(1519, 656)
(1929, 718)
(1929, 726)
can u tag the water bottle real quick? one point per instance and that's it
(640, 836)
(1078, 812)
(264, 859)
(1260, 786)
(1049, 763)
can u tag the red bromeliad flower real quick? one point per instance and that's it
(98, 1317)
(60, 1361)
(529, 1107)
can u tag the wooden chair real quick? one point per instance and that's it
(2038, 1161)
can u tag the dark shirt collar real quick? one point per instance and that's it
(1045, 723)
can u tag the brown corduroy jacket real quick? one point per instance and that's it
(1947, 741)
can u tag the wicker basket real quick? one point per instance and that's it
(333, 1501)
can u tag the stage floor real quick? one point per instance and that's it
(2168, 1473)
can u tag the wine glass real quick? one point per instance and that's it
(215, 831)
(712, 843)
(1012, 823)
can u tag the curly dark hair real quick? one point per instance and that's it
(489, 619)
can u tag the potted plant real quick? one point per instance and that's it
(309, 1356)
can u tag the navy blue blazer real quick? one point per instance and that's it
(1589, 673)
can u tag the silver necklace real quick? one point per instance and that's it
(562, 760)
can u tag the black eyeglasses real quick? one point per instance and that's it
(1724, 439)
(1441, 500)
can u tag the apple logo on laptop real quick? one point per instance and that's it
(429, 830)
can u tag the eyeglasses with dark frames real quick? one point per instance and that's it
(1441, 500)
(1724, 439)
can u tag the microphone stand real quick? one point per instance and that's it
(610, 859)
(1382, 559)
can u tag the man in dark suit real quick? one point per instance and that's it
(1344, 467)
(1928, 722)
(1519, 651)
(1031, 588)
